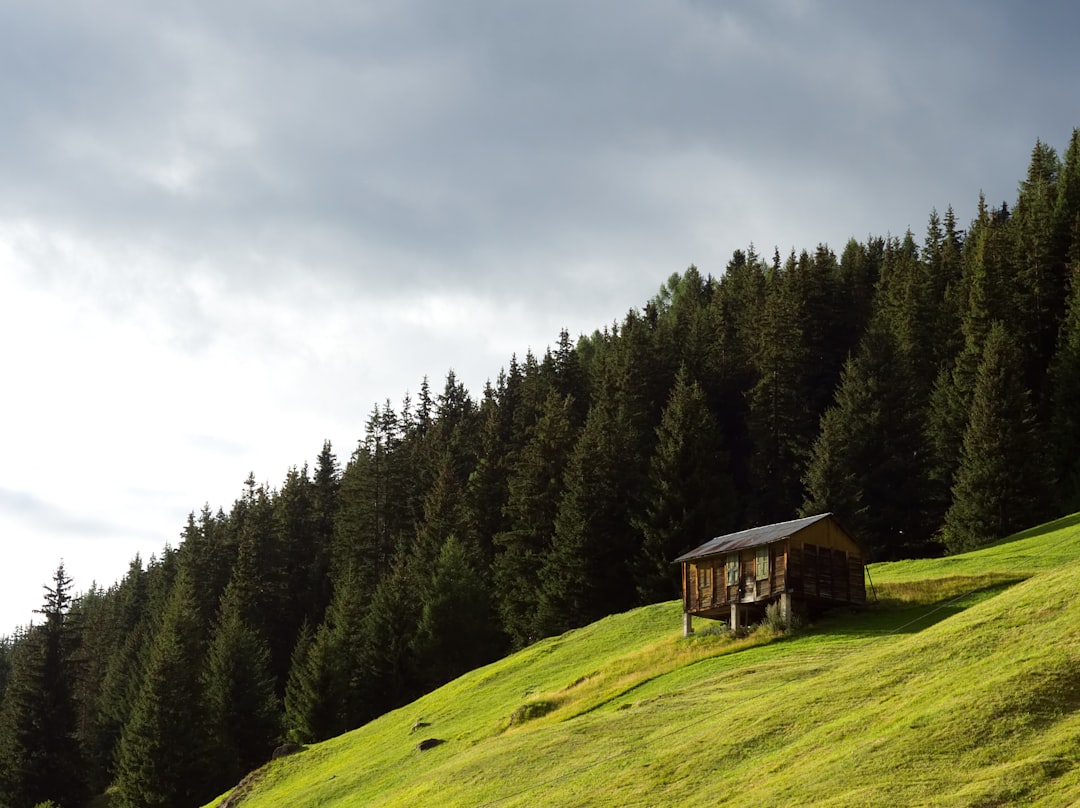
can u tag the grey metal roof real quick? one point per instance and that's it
(752, 537)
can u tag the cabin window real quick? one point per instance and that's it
(762, 563)
(704, 577)
(733, 569)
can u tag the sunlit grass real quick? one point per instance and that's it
(960, 687)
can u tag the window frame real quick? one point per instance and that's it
(762, 553)
(731, 568)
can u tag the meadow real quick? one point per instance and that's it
(959, 686)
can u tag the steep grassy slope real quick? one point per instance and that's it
(961, 688)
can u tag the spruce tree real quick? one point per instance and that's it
(39, 753)
(534, 491)
(985, 285)
(1039, 280)
(457, 630)
(1064, 385)
(587, 573)
(164, 747)
(1002, 484)
(242, 709)
(867, 464)
(325, 692)
(780, 419)
(385, 676)
(691, 497)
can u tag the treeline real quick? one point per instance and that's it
(925, 393)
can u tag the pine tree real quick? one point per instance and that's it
(1039, 281)
(163, 752)
(587, 573)
(985, 286)
(1064, 388)
(867, 464)
(385, 676)
(691, 494)
(1002, 483)
(534, 491)
(242, 709)
(325, 692)
(39, 753)
(457, 630)
(781, 423)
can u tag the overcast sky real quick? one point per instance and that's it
(227, 230)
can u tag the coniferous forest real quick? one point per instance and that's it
(923, 389)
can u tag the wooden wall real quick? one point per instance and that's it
(820, 562)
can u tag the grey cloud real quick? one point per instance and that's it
(432, 146)
(49, 518)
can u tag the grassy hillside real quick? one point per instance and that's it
(961, 687)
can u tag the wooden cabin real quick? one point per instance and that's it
(805, 565)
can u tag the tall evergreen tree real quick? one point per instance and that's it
(587, 573)
(324, 696)
(1002, 484)
(691, 493)
(457, 630)
(534, 490)
(119, 687)
(1039, 286)
(376, 507)
(39, 752)
(241, 706)
(867, 464)
(1064, 394)
(164, 747)
(984, 283)
(781, 421)
(385, 675)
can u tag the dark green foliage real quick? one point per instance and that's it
(457, 630)
(39, 753)
(691, 494)
(587, 573)
(535, 488)
(984, 284)
(164, 750)
(129, 641)
(325, 694)
(379, 500)
(386, 672)
(241, 708)
(5, 664)
(780, 420)
(1064, 397)
(868, 462)
(1039, 265)
(1002, 484)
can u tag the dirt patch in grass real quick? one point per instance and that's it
(243, 788)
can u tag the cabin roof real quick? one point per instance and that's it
(752, 537)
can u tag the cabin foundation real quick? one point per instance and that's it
(687, 624)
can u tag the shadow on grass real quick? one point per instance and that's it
(906, 616)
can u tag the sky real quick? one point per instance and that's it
(229, 229)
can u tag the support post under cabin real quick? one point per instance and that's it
(734, 624)
(687, 624)
(785, 608)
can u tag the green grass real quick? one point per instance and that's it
(961, 687)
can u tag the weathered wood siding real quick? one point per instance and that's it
(825, 563)
(820, 562)
(706, 586)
